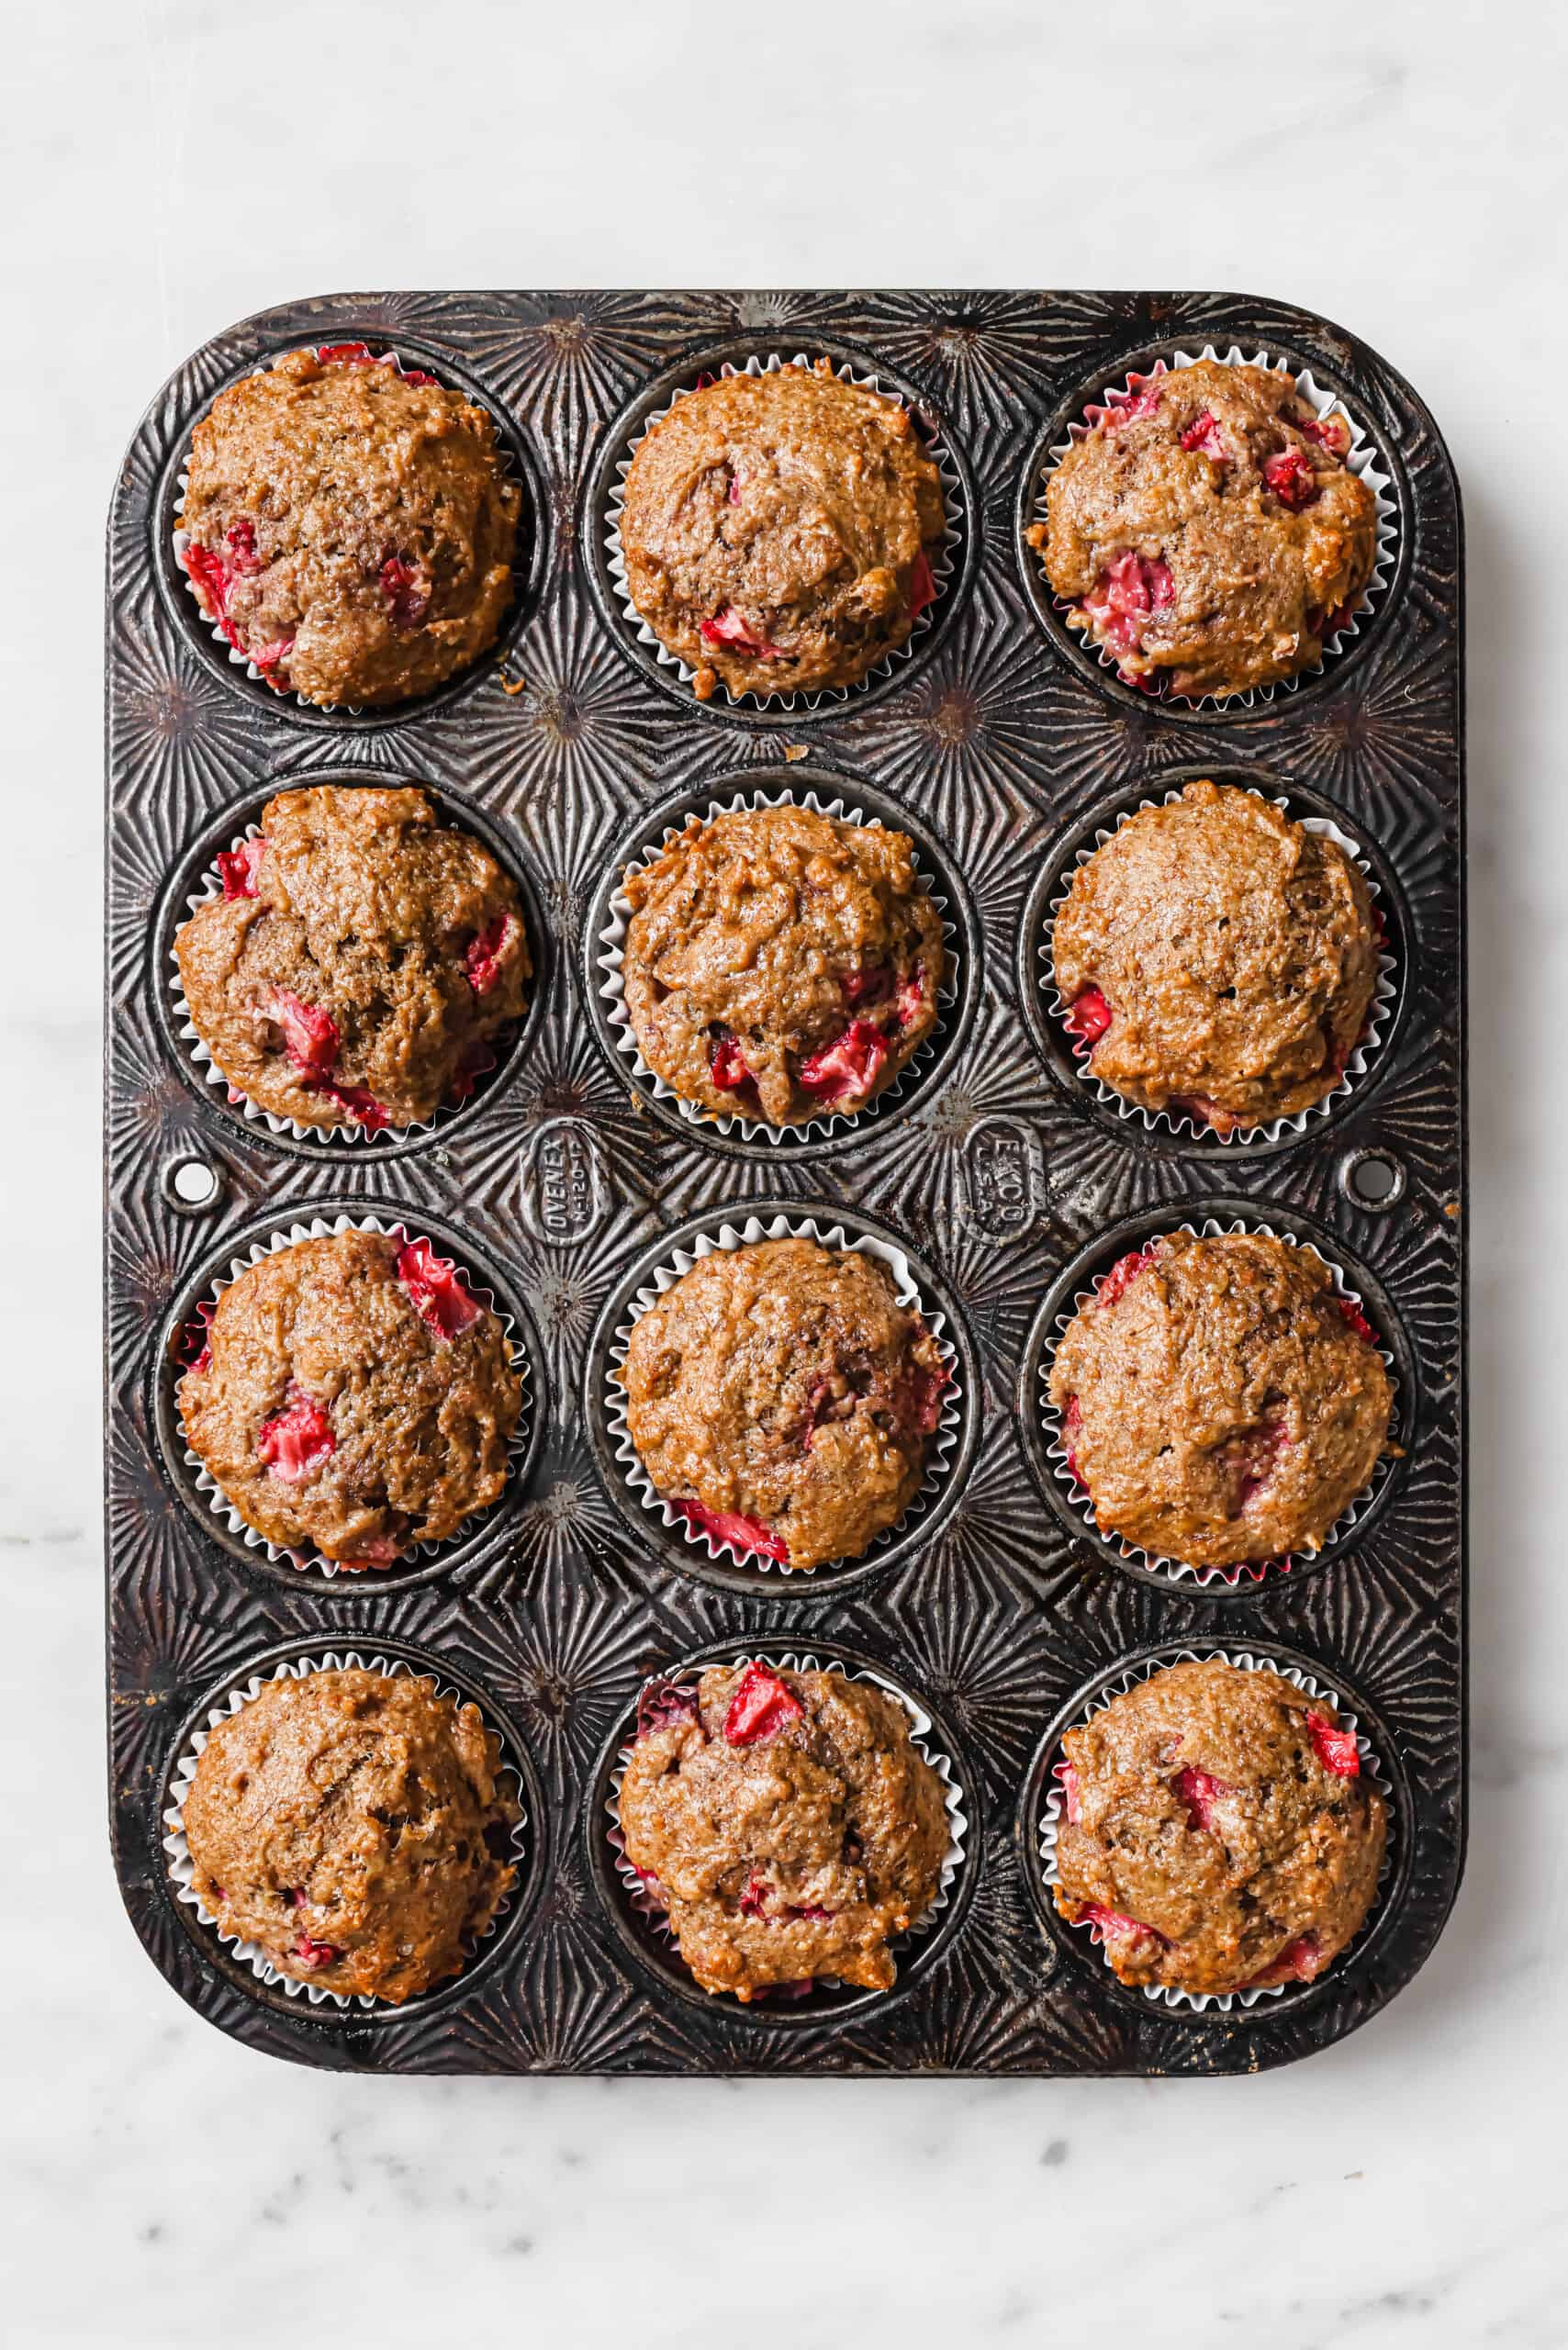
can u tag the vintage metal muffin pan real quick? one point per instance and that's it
(1001, 741)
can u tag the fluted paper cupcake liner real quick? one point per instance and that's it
(1178, 1570)
(182, 1870)
(1246, 1661)
(1362, 460)
(942, 562)
(613, 940)
(643, 1893)
(351, 1132)
(728, 1238)
(218, 1502)
(1180, 1121)
(238, 660)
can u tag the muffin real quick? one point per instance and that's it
(352, 1825)
(1217, 1830)
(1207, 531)
(352, 1399)
(780, 1398)
(779, 963)
(787, 1823)
(1221, 1403)
(779, 531)
(1217, 959)
(360, 961)
(351, 530)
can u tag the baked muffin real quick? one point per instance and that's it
(787, 1821)
(1221, 1403)
(779, 531)
(353, 1398)
(359, 962)
(1217, 1830)
(779, 963)
(351, 530)
(1207, 531)
(353, 1824)
(781, 1398)
(1217, 959)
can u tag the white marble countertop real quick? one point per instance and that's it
(172, 167)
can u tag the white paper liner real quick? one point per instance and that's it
(729, 1238)
(213, 1493)
(1248, 1571)
(349, 1131)
(645, 1900)
(1246, 1661)
(1180, 1121)
(941, 562)
(238, 660)
(1362, 460)
(611, 989)
(182, 1869)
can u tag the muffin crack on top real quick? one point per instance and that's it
(350, 526)
(360, 962)
(1217, 1830)
(354, 1826)
(779, 531)
(1206, 529)
(1221, 1404)
(781, 1399)
(1217, 959)
(786, 1822)
(779, 963)
(352, 1397)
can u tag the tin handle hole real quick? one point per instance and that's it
(1371, 1179)
(192, 1185)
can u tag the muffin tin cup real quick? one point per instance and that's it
(1047, 1821)
(944, 563)
(1363, 460)
(1211, 1580)
(942, 1446)
(505, 1049)
(784, 2002)
(182, 1870)
(1179, 1123)
(611, 941)
(517, 1445)
(523, 564)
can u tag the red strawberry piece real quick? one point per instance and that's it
(921, 586)
(309, 1034)
(1331, 432)
(1089, 1016)
(1141, 396)
(729, 1526)
(1109, 1926)
(912, 995)
(407, 600)
(240, 543)
(920, 1397)
(706, 378)
(238, 867)
(298, 1440)
(663, 1703)
(735, 489)
(1290, 475)
(801, 1988)
(1072, 1420)
(196, 1342)
(729, 627)
(381, 1552)
(314, 1954)
(1200, 1791)
(297, 1895)
(345, 354)
(211, 575)
(1357, 1320)
(267, 658)
(1264, 1444)
(436, 1290)
(475, 1063)
(1335, 1749)
(1071, 1794)
(362, 1108)
(810, 1909)
(761, 1706)
(849, 1065)
(1329, 623)
(1122, 1275)
(1204, 435)
(417, 375)
(482, 961)
(726, 1065)
(1297, 1963)
(872, 984)
(1125, 594)
(754, 1901)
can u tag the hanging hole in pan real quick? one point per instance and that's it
(1373, 1181)
(192, 1185)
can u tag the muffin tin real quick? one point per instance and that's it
(997, 1170)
